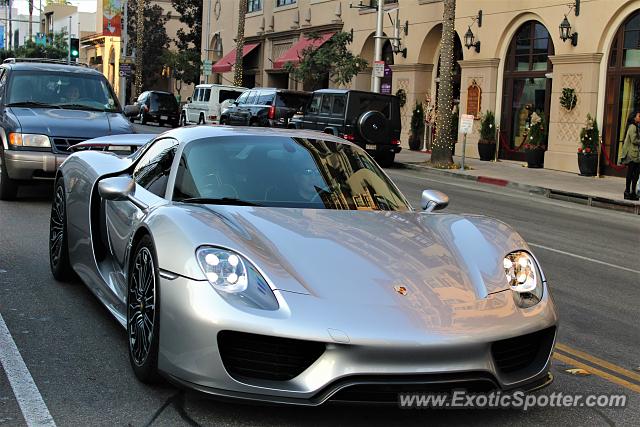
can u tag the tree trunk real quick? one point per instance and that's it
(443, 145)
(31, 19)
(237, 72)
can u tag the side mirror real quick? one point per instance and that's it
(433, 200)
(120, 188)
(116, 188)
(131, 110)
(189, 100)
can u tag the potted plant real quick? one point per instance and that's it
(487, 141)
(416, 137)
(536, 141)
(588, 150)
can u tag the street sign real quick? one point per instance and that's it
(125, 70)
(126, 60)
(466, 123)
(378, 69)
(206, 67)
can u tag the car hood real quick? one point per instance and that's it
(70, 123)
(364, 256)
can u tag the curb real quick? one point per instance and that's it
(583, 199)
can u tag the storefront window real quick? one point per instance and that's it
(526, 88)
(622, 96)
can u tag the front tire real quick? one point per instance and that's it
(143, 312)
(183, 119)
(58, 239)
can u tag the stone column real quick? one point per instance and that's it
(415, 80)
(581, 72)
(484, 72)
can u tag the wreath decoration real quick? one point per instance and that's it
(402, 97)
(568, 99)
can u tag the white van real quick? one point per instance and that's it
(204, 105)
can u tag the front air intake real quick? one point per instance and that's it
(519, 353)
(265, 357)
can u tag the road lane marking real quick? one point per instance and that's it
(597, 361)
(34, 410)
(595, 371)
(597, 261)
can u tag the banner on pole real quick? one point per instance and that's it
(1, 36)
(111, 18)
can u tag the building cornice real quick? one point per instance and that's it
(576, 58)
(290, 33)
(412, 67)
(480, 63)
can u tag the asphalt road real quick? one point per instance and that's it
(76, 353)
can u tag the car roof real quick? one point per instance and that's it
(158, 92)
(212, 85)
(44, 66)
(191, 133)
(275, 89)
(344, 91)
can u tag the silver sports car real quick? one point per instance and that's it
(285, 266)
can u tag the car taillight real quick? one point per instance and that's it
(349, 137)
(395, 141)
(272, 112)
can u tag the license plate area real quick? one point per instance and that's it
(164, 117)
(370, 146)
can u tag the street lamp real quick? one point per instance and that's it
(566, 34)
(469, 38)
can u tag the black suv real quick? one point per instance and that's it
(265, 107)
(44, 108)
(158, 106)
(370, 120)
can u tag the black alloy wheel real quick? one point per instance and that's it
(58, 240)
(143, 298)
(183, 120)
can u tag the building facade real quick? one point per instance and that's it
(521, 65)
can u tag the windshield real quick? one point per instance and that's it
(77, 91)
(283, 172)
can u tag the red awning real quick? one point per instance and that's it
(295, 51)
(229, 60)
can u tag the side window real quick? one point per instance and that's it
(326, 104)
(338, 105)
(195, 95)
(3, 81)
(243, 98)
(251, 98)
(207, 95)
(266, 98)
(314, 106)
(153, 168)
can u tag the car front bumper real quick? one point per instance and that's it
(363, 352)
(28, 165)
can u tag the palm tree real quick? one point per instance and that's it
(442, 147)
(237, 71)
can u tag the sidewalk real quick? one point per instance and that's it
(604, 192)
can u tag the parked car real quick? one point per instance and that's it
(44, 108)
(265, 107)
(205, 106)
(157, 106)
(285, 266)
(370, 120)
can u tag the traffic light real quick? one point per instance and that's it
(74, 47)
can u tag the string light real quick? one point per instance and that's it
(238, 70)
(442, 147)
(139, 46)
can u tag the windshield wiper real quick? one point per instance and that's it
(218, 201)
(32, 104)
(84, 107)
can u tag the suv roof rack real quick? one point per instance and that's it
(43, 60)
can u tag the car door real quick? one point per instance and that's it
(336, 120)
(151, 174)
(325, 112)
(192, 112)
(310, 117)
(240, 114)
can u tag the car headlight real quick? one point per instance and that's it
(235, 278)
(524, 278)
(29, 140)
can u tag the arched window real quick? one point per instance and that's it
(622, 95)
(526, 88)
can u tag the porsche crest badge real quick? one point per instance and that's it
(402, 290)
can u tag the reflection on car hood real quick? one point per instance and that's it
(70, 123)
(362, 256)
